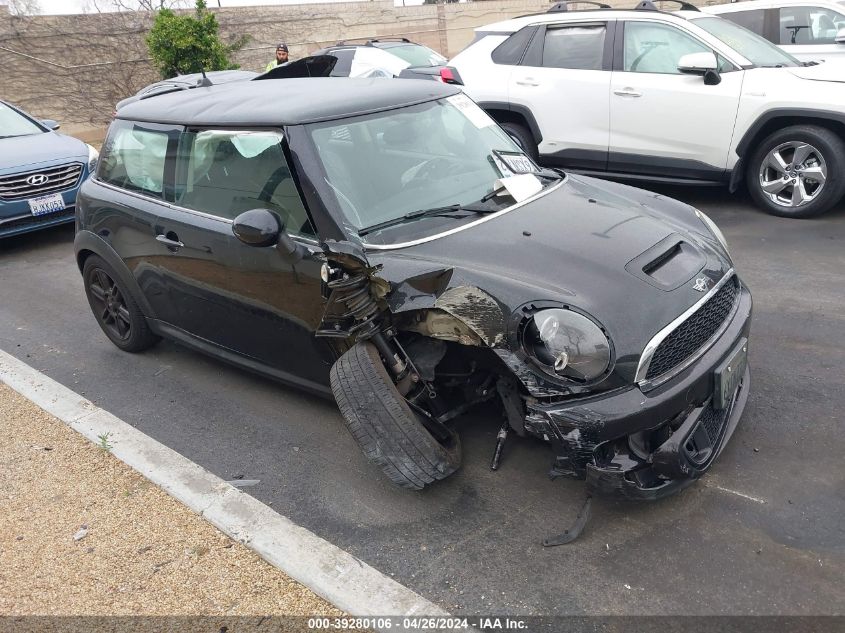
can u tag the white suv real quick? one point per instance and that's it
(675, 97)
(810, 30)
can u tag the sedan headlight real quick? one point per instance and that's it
(567, 344)
(93, 157)
(715, 230)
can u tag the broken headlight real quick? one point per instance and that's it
(567, 344)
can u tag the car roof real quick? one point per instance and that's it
(283, 101)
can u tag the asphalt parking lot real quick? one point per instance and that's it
(762, 533)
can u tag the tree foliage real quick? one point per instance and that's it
(183, 43)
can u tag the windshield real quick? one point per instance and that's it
(754, 48)
(416, 55)
(383, 167)
(13, 123)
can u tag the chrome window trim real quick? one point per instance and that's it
(657, 339)
(463, 227)
(176, 207)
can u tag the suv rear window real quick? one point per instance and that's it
(575, 47)
(134, 156)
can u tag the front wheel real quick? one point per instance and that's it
(797, 172)
(386, 429)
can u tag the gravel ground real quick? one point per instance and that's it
(83, 534)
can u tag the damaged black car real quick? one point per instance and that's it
(387, 244)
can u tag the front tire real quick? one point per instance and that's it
(116, 312)
(385, 427)
(797, 172)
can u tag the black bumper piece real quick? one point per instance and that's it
(601, 439)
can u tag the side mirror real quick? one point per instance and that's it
(698, 63)
(263, 228)
(50, 124)
(840, 36)
(258, 227)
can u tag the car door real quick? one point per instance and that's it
(664, 122)
(135, 180)
(564, 81)
(246, 300)
(809, 32)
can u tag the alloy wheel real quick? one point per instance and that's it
(793, 174)
(110, 305)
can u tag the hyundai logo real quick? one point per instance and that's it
(38, 179)
(700, 284)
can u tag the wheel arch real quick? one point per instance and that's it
(773, 120)
(86, 244)
(503, 112)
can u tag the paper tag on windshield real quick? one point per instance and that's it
(476, 115)
(520, 187)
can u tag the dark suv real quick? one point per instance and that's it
(388, 244)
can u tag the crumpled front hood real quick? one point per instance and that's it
(570, 246)
(19, 152)
(825, 71)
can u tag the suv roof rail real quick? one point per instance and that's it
(369, 41)
(648, 5)
(562, 7)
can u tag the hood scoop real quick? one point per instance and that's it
(669, 264)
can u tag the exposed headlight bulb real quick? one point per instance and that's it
(567, 344)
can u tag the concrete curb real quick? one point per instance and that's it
(330, 572)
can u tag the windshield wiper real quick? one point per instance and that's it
(427, 213)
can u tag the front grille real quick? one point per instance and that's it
(689, 336)
(59, 178)
(35, 220)
(713, 420)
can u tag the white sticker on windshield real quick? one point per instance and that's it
(470, 110)
(520, 187)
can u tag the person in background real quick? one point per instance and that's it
(281, 57)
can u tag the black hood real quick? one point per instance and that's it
(585, 245)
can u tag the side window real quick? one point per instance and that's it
(135, 155)
(344, 61)
(809, 25)
(225, 173)
(751, 20)
(510, 51)
(576, 47)
(651, 47)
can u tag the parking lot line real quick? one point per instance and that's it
(332, 573)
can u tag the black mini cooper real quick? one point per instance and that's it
(388, 244)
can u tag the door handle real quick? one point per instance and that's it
(627, 92)
(171, 240)
(528, 81)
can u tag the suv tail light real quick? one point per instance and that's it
(449, 75)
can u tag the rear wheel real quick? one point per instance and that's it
(797, 172)
(389, 433)
(522, 137)
(116, 312)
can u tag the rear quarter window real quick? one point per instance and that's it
(511, 51)
(135, 157)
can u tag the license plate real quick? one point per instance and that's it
(729, 374)
(46, 204)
